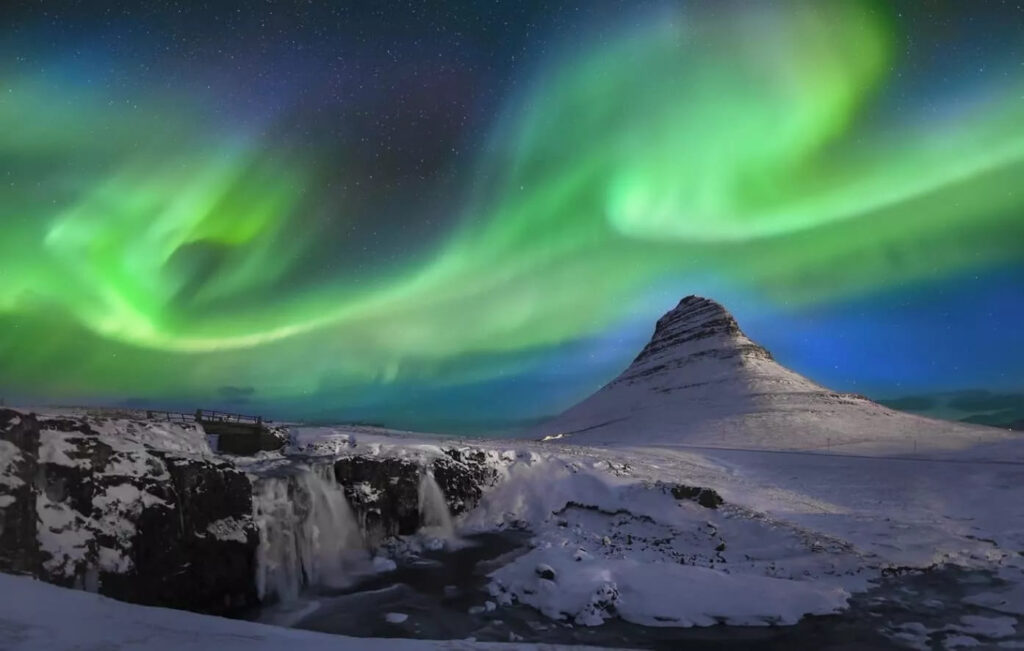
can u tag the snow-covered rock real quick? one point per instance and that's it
(384, 489)
(143, 510)
(659, 594)
(607, 544)
(137, 510)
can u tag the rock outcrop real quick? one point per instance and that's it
(384, 491)
(135, 510)
(143, 511)
(232, 438)
(463, 474)
(701, 381)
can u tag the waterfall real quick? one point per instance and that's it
(308, 533)
(435, 518)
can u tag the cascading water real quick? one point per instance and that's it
(435, 518)
(308, 533)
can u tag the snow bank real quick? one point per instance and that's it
(588, 590)
(320, 441)
(44, 618)
(128, 434)
(130, 440)
(610, 545)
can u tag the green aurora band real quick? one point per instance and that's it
(739, 146)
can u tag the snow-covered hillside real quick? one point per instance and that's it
(701, 381)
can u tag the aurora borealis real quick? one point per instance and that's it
(447, 214)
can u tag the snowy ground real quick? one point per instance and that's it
(799, 533)
(47, 618)
(830, 520)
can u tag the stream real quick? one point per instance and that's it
(441, 595)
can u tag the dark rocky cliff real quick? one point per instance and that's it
(142, 511)
(384, 492)
(133, 522)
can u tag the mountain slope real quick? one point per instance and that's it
(701, 381)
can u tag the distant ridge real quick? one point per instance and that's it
(701, 381)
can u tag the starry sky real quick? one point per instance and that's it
(468, 215)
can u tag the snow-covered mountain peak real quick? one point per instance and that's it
(701, 381)
(696, 314)
(696, 329)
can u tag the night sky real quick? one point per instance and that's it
(468, 215)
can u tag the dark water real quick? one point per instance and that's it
(438, 590)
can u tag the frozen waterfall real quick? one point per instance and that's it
(435, 518)
(308, 533)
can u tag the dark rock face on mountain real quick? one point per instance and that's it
(697, 328)
(701, 381)
(699, 344)
(136, 514)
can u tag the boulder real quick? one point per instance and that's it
(706, 497)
